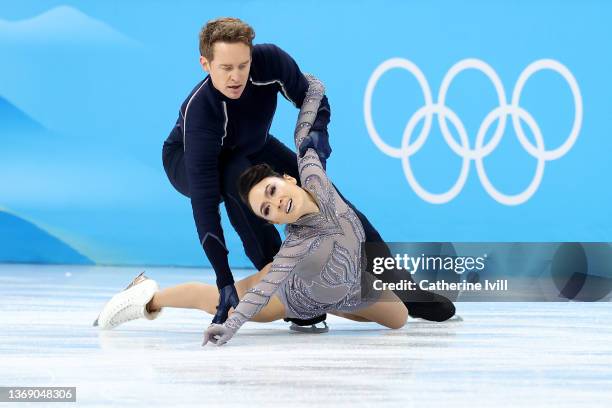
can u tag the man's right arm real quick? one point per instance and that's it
(202, 139)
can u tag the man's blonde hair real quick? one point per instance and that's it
(224, 29)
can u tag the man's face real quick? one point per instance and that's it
(229, 68)
(278, 200)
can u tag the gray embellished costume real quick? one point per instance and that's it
(318, 268)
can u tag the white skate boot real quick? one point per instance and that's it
(130, 304)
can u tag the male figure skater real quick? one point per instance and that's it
(223, 129)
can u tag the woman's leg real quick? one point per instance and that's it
(192, 295)
(389, 312)
(195, 295)
(350, 316)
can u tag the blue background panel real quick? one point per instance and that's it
(90, 90)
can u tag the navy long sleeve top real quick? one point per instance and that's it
(210, 123)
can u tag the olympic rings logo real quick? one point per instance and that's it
(481, 150)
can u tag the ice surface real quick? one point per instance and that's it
(501, 354)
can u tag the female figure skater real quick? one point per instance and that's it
(317, 270)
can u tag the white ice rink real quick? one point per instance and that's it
(501, 354)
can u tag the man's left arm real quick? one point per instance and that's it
(294, 87)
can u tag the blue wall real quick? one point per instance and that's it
(89, 91)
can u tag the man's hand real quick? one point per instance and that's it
(318, 141)
(217, 334)
(228, 298)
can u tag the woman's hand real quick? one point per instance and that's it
(218, 334)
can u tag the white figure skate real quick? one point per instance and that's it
(130, 304)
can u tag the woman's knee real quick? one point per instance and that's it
(397, 317)
(398, 322)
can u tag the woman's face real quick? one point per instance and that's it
(278, 200)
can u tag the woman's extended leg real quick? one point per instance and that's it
(195, 295)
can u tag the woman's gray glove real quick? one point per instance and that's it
(218, 334)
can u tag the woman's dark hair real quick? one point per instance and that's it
(250, 177)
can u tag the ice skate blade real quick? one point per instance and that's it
(455, 318)
(309, 330)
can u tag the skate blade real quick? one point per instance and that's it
(141, 277)
(309, 330)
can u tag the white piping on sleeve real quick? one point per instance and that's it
(209, 235)
(282, 85)
(187, 108)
